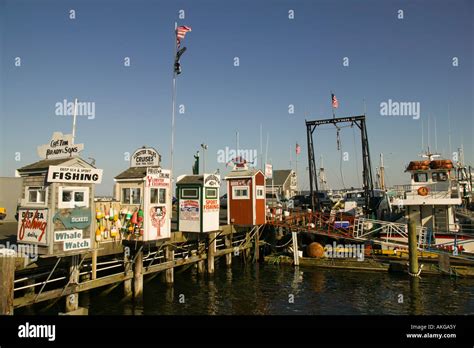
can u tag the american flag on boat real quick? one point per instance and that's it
(298, 149)
(181, 33)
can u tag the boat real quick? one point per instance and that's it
(430, 200)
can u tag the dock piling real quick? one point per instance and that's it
(72, 300)
(169, 256)
(228, 245)
(7, 277)
(296, 258)
(412, 249)
(138, 276)
(127, 284)
(211, 252)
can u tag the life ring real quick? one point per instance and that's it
(423, 191)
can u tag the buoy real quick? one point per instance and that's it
(129, 215)
(315, 250)
(113, 232)
(140, 215)
(111, 214)
(118, 224)
(134, 218)
(423, 191)
(97, 235)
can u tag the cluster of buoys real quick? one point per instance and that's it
(115, 224)
(425, 165)
(419, 165)
(441, 164)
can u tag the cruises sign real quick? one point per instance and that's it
(145, 157)
(74, 175)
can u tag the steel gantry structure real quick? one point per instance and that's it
(368, 185)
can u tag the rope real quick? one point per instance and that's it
(417, 275)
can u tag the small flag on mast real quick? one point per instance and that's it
(181, 33)
(298, 149)
(335, 102)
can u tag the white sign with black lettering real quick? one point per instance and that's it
(145, 157)
(74, 175)
(60, 146)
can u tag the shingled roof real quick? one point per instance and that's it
(43, 165)
(279, 177)
(134, 173)
(239, 173)
(191, 179)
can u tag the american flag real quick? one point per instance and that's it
(335, 102)
(181, 33)
(298, 149)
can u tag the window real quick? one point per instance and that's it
(260, 192)
(131, 195)
(420, 177)
(162, 196)
(240, 192)
(189, 193)
(36, 195)
(158, 196)
(72, 196)
(442, 176)
(211, 193)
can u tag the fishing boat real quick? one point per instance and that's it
(430, 200)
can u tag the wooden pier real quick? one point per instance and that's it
(109, 265)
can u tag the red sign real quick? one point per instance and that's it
(32, 226)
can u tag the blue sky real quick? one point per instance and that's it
(282, 61)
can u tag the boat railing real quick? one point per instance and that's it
(435, 190)
(365, 228)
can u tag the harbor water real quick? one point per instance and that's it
(263, 289)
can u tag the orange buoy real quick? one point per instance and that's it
(134, 218)
(315, 250)
(423, 191)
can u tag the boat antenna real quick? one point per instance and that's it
(449, 129)
(436, 135)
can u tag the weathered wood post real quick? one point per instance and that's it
(296, 256)
(72, 300)
(257, 245)
(200, 265)
(127, 264)
(94, 264)
(138, 276)
(169, 256)
(247, 244)
(211, 252)
(7, 278)
(412, 248)
(228, 245)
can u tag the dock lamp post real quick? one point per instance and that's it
(204, 148)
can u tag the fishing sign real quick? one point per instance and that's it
(32, 226)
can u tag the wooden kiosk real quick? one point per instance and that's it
(143, 191)
(58, 194)
(245, 196)
(198, 202)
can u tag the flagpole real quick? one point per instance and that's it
(296, 171)
(74, 121)
(174, 110)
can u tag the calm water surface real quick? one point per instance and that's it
(268, 289)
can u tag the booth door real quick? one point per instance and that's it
(157, 215)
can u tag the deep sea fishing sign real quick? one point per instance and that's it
(32, 225)
(74, 175)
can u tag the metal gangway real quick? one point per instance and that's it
(392, 232)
